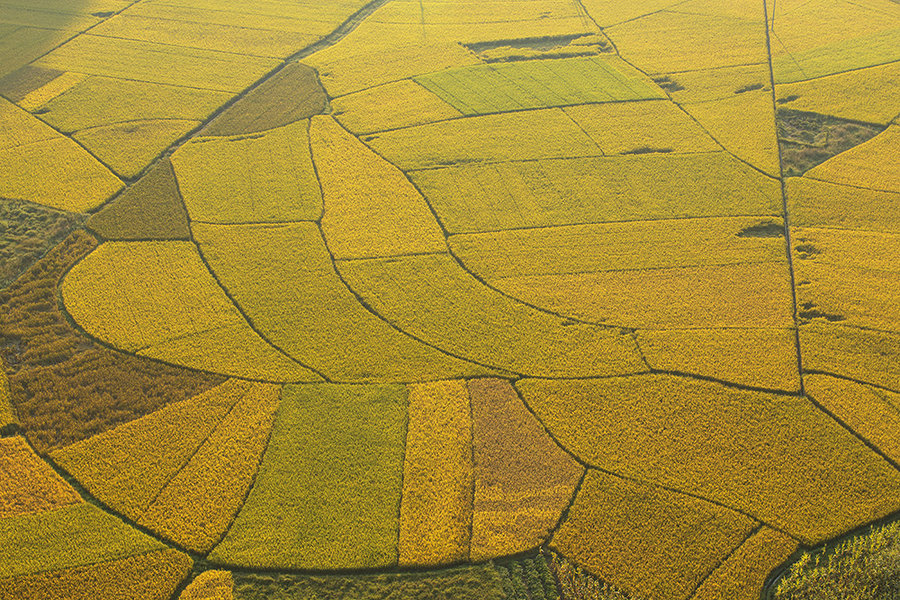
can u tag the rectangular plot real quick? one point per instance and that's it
(328, 490)
(855, 53)
(538, 84)
(158, 63)
(819, 204)
(869, 356)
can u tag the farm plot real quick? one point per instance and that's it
(820, 204)
(872, 165)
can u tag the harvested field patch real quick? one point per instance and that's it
(526, 135)
(284, 277)
(744, 574)
(874, 164)
(483, 89)
(150, 209)
(523, 480)
(267, 177)
(152, 575)
(809, 139)
(468, 319)
(815, 203)
(390, 106)
(551, 47)
(645, 540)
(291, 95)
(198, 504)
(777, 458)
(471, 198)
(436, 506)
(63, 386)
(100, 101)
(370, 207)
(127, 148)
(27, 483)
(328, 490)
(127, 467)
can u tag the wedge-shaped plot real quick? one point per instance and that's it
(127, 148)
(745, 125)
(152, 575)
(756, 357)
(523, 480)
(470, 198)
(535, 134)
(198, 504)
(284, 278)
(434, 299)
(860, 354)
(292, 94)
(436, 507)
(391, 106)
(159, 299)
(617, 246)
(503, 87)
(641, 128)
(71, 536)
(649, 542)
(669, 41)
(150, 209)
(370, 207)
(871, 412)
(17, 85)
(328, 489)
(848, 277)
(744, 574)
(157, 63)
(27, 483)
(874, 164)
(127, 467)
(213, 584)
(819, 204)
(20, 128)
(775, 457)
(739, 295)
(869, 95)
(262, 178)
(99, 101)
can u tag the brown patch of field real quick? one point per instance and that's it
(809, 139)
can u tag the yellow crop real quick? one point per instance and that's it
(744, 574)
(616, 246)
(523, 480)
(390, 106)
(127, 148)
(370, 208)
(872, 413)
(610, 12)
(869, 95)
(738, 295)
(104, 101)
(70, 536)
(126, 467)
(814, 203)
(436, 506)
(745, 125)
(468, 319)
(629, 127)
(210, 585)
(647, 541)
(158, 298)
(666, 42)
(509, 86)
(764, 358)
(328, 489)
(527, 135)
(197, 505)
(706, 85)
(775, 457)
(28, 484)
(22, 45)
(157, 63)
(874, 164)
(869, 356)
(20, 128)
(618, 188)
(149, 576)
(264, 177)
(39, 97)
(298, 301)
(868, 49)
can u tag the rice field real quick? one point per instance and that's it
(449, 300)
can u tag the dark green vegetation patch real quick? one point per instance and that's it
(809, 139)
